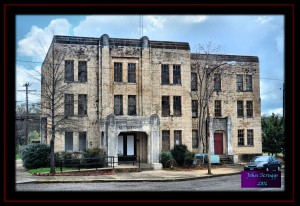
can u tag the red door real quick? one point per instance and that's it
(218, 143)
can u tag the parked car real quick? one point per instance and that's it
(263, 163)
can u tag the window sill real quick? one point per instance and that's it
(76, 82)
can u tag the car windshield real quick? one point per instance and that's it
(260, 159)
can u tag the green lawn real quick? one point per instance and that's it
(47, 170)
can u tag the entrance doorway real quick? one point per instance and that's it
(218, 143)
(126, 147)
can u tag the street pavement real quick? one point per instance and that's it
(150, 175)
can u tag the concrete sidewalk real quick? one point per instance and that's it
(151, 175)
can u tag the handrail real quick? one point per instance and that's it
(81, 162)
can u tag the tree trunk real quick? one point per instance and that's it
(52, 160)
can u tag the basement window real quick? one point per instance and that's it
(68, 141)
(195, 139)
(165, 140)
(177, 137)
(82, 141)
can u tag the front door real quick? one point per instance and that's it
(126, 147)
(218, 143)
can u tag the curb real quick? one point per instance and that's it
(126, 180)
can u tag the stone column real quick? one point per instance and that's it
(229, 136)
(154, 142)
(112, 139)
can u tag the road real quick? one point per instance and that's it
(223, 183)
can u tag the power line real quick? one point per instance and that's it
(26, 126)
(273, 79)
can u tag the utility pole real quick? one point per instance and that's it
(26, 118)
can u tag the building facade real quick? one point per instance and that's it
(134, 97)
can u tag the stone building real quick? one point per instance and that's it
(134, 97)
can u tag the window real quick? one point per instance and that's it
(165, 74)
(68, 141)
(195, 139)
(249, 83)
(117, 72)
(250, 137)
(194, 81)
(240, 137)
(239, 82)
(177, 105)
(165, 104)
(82, 141)
(176, 74)
(165, 140)
(177, 137)
(131, 105)
(217, 82)
(69, 70)
(118, 105)
(131, 73)
(82, 71)
(194, 108)
(69, 104)
(218, 108)
(249, 108)
(82, 104)
(240, 109)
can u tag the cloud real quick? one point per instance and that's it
(263, 19)
(23, 76)
(128, 26)
(37, 41)
(276, 111)
(195, 19)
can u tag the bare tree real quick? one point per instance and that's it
(32, 118)
(208, 67)
(53, 88)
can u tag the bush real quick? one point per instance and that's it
(165, 157)
(36, 156)
(179, 153)
(93, 153)
(189, 158)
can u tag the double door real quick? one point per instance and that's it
(126, 147)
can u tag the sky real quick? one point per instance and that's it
(250, 35)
